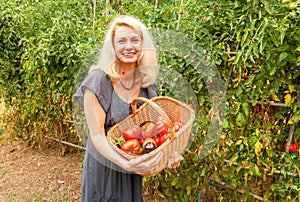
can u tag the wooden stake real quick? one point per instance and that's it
(94, 19)
(291, 133)
(179, 15)
(241, 191)
(155, 7)
(107, 11)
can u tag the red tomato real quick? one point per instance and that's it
(132, 146)
(141, 140)
(293, 148)
(160, 127)
(235, 77)
(177, 125)
(297, 145)
(245, 77)
(147, 129)
(164, 137)
(157, 140)
(160, 139)
(132, 132)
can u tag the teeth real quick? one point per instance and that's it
(128, 54)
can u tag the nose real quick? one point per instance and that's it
(128, 46)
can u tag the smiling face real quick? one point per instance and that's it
(128, 45)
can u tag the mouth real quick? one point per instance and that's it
(128, 54)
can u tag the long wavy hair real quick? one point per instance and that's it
(147, 63)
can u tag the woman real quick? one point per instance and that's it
(126, 68)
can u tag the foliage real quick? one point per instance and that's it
(44, 44)
(254, 44)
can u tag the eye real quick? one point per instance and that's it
(121, 42)
(136, 40)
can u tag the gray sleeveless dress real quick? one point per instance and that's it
(103, 181)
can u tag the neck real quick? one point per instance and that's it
(127, 67)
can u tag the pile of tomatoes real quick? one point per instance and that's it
(146, 137)
(293, 147)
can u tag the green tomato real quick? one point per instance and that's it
(291, 6)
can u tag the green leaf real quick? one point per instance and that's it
(283, 56)
(245, 107)
(174, 181)
(273, 70)
(258, 147)
(233, 159)
(250, 79)
(288, 99)
(240, 119)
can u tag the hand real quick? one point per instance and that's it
(174, 160)
(143, 164)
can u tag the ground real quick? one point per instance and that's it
(28, 174)
(31, 175)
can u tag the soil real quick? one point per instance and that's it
(31, 175)
(28, 174)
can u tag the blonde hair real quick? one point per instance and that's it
(147, 64)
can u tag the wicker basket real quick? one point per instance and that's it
(170, 110)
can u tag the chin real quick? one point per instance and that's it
(128, 61)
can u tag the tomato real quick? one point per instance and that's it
(147, 129)
(177, 125)
(293, 148)
(157, 140)
(141, 140)
(164, 137)
(132, 146)
(291, 6)
(161, 128)
(297, 145)
(132, 132)
(235, 77)
(245, 77)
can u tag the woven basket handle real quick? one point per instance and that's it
(159, 109)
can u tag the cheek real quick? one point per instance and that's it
(118, 47)
(137, 46)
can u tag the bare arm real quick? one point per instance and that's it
(95, 116)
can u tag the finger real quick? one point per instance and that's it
(174, 160)
(170, 161)
(179, 158)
